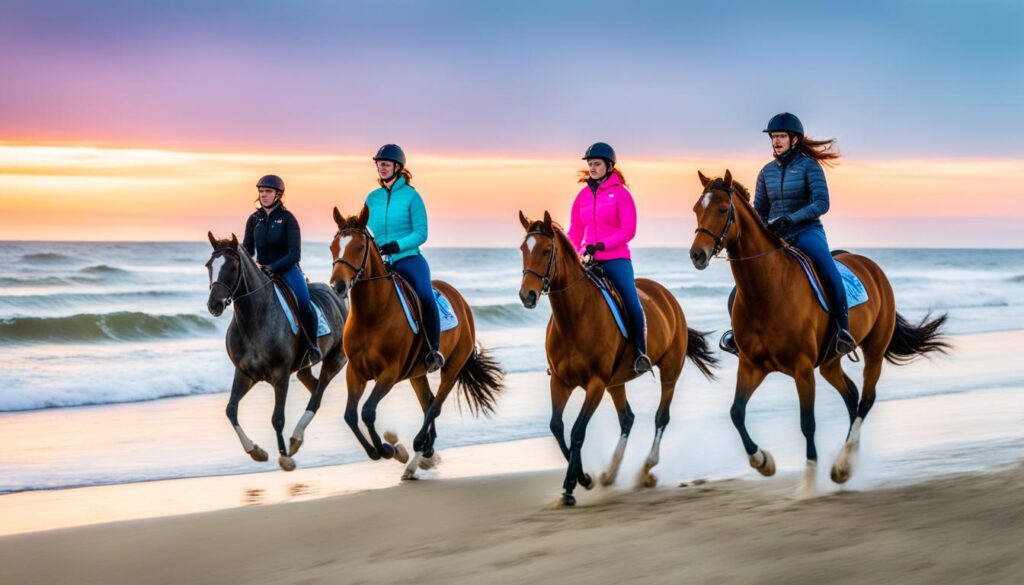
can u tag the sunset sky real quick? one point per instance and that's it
(150, 121)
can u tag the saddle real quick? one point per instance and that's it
(290, 306)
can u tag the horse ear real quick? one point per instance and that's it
(703, 180)
(524, 220)
(234, 241)
(727, 179)
(547, 220)
(213, 240)
(364, 216)
(338, 219)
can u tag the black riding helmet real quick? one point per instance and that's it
(391, 152)
(601, 150)
(271, 182)
(785, 122)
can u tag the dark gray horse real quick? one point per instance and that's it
(261, 345)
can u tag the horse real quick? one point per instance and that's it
(382, 347)
(780, 327)
(261, 345)
(585, 348)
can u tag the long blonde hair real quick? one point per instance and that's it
(585, 176)
(404, 172)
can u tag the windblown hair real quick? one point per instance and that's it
(404, 172)
(823, 151)
(585, 174)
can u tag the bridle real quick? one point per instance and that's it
(552, 269)
(730, 219)
(240, 281)
(361, 269)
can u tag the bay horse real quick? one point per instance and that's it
(382, 347)
(780, 327)
(585, 348)
(261, 345)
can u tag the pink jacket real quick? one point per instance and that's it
(608, 217)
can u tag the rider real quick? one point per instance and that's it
(791, 196)
(272, 235)
(604, 217)
(399, 219)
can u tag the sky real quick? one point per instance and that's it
(134, 120)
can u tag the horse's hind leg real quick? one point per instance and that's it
(423, 443)
(618, 394)
(842, 468)
(356, 385)
(239, 388)
(834, 375)
(277, 420)
(748, 378)
(661, 418)
(328, 370)
(574, 474)
(308, 379)
(380, 390)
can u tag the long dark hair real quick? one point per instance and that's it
(823, 151)
(585, 176)
(404, 172)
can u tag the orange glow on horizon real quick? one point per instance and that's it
(99, 193)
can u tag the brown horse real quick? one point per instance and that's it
(780, 326)
(585, 348)
(383, 348)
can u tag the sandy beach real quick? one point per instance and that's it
(498, 529)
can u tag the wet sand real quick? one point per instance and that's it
(502, 529)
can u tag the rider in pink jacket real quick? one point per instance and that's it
(603, 222)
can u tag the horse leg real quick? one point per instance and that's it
(423, 443)
(748, 378)
(421, 386)
(804, 376)
(327, 372)
(595, 391)
(308, 379)
(356, 385)
(239, 388)
(626, 418)
(559, 396)
(834, 375)
(277, 420)
(842, 468)
(380, 390)
(661, 418)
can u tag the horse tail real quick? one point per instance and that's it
(480, 380)
(699, 353)
(910, 341)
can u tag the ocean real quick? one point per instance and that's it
(112, 370)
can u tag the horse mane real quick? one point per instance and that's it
(557, 232)
(744, 193)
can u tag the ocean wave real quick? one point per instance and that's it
(120, 326)
(103, 269)
(32, 281)
(508, 314)
(47, 258)
(1018, 278)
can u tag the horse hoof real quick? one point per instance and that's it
(409, 476)
(767, 466)
(607, 479)
(401, 453)
(586, 481)
(293, 445)
(286, 463)
(430, 462)
(391, 437)
(648, 480)
(373, 454)
(568, 499)
(387, 451)
(840, 472)
(258, 454)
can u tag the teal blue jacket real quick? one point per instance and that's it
(398, 216)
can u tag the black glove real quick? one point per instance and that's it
(779, 224)
(389, 248)
(266, 270)
(598, 247)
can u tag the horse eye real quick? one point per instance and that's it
(547, 252)
(723, 209)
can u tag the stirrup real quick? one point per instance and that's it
(642, 364)
(728, 343)
(434, 361)
(312, 357)
(845, 343)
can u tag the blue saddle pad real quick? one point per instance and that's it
(613, 307)
(444, 310)
(855, 292)
(322, 326)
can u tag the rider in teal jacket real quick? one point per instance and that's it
(398, 221)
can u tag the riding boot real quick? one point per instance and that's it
(309, 326)
(845, 342)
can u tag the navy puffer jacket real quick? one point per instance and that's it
(793, 186)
